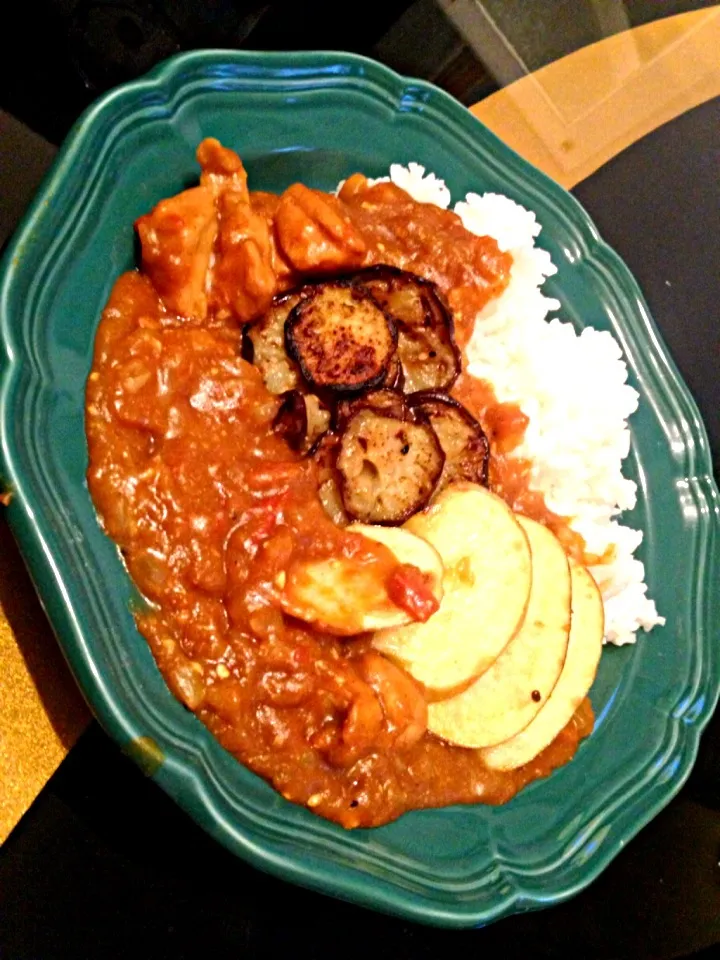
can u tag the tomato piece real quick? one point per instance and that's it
(410, 589)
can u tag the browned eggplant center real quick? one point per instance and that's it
(341, 338)
(388, 467)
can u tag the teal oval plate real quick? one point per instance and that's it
(317, 117)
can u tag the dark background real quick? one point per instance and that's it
(58, 55)
(104, 865)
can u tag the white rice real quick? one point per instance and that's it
(573, 387)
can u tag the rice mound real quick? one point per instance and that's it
(572, 386)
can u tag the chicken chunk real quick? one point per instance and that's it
(314, 233)
(267, 205)
(222, 169)
(244, 280)
(177, 239)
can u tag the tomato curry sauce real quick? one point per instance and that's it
(213, 511)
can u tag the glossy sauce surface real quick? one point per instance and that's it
(213, 512)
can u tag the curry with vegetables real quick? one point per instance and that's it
(277, 395)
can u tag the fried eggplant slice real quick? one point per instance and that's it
(291, 420)
(341, 338)
(388, 467)
(318, 418)
(267, 338)
(428, 363)
(301, 419)
(466, 448)
(426, 344)
(391, 402)
(324, 452)
(395, 377)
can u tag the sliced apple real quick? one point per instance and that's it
(486, 586)
(514, 689)
(343, 596)
(583, 656)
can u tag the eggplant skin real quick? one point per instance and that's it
(265, 342)
(428, 354)
(388, 467)
(247, 347)
(384, 400)
(324, 452)
(325, 449)
(301, 419)
(464, 443)
(341, 338)
(318, 419)
(291, 419)
(394, 378)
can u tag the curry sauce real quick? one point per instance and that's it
(211, 508)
